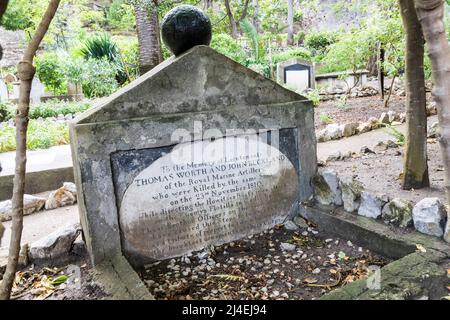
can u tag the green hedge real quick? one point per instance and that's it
(48, 109)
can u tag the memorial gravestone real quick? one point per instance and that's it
(296, 74)
(199, 151)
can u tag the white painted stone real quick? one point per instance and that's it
(31, 204)
(429, 216)
(349, 129)
(371, 204)
(55, 244)
(206, 193)
(334, 131)
(287, 246)
(3, 91)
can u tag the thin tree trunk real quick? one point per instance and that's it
(3, 6)
(148, 32)
(431, 17)
(26, 72)
(290, 18)
(381, 69)
(415, 167)
(233, 24)
(256, 23)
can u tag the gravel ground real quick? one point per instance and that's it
(381, 172)
(276, 264)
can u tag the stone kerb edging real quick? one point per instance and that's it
(64, 196)
(428, 216)
(336, 131)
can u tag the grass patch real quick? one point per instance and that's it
(40, 135)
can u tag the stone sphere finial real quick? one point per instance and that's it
(184, 27)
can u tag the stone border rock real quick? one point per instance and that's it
(336, 131)
(64, 196)
(428, 216)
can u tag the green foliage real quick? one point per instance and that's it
(320, 41)
(120, 15)
(103, 47)
(299, 52)
(6, 111)
(399, 137)
(252, 36)
(54, 108)
(49, 71)
(40, 135)
(326, 119)
(100, 78)
(229, 47)
(100, 46)
(314, 96)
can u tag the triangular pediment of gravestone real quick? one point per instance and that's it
(199, 80)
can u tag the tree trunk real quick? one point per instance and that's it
(148, 32)
(431, 17)
(415, 167)
(233, 24)
(26, 71)
(3, 5)
(381, 53)
(290, 18)
(256, 23)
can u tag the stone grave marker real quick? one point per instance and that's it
(199, 151)
(3, 91)
(297, 74)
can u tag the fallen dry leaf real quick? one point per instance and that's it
(421, 248)
(310, 280)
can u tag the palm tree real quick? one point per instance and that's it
(148, 32)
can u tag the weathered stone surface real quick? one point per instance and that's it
(31, 204)
(393, 116)
(375, 123)
(364, 127)
(371, 204)
(349, 129)
(447, 231)
(323, 136)
(182, 97)
(225, 195)
(384, 118)
(64, 196)
(290, 225)
(351, 193)
(334, 131)
(326, 186)
(433, 130)
(398, 212)
(55, 244)
(380, 146)
(299, 221)
(429, 216)
(431, 109)
(184, 27)
(365, 150)
(2, 230)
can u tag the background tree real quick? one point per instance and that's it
(431, 17)
(290, 22)
(415, 169)
(234, 23)
(148, 32)
(26, 72)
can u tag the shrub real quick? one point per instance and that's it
(229, 47)
(299, 52)
(100, 78)
(320, 41)
(120, 15)
(50, 72)
(54, 108)
(6, 111)
(103, 47)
